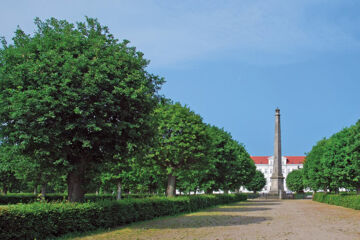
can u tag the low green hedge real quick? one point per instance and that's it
(344, 200)
(48, 220)
(14, 198)
(252, 195)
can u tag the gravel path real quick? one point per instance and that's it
(255, 219)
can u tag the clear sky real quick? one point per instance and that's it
(234, 62)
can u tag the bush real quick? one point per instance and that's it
(347, 200)
(48, 220)
(252, 195)
(14, 198)
(302, 195)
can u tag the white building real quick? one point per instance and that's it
(265, 165)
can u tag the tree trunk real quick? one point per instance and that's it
(237, 190)
(209, 191)
(75, 180)
(226, 191)
(336, 191)
(35, 190)
(358, 190)
(119, 188)
(5, 189)
(171, 186)
(43, 191)
(254, 191)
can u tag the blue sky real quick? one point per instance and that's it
(234, 62)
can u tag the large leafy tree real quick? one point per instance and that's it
(230, 166)
(183, 142)
(313, 171)
(73, 96)
(257, 183)
(341, 159)
(295, 182)
(352, 158)
(335, 162)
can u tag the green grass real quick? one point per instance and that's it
(128, 230)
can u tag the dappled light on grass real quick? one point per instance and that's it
(232, 216)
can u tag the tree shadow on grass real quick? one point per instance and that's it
(175, 222)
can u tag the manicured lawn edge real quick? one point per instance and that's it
(344, 200)
(48, 220)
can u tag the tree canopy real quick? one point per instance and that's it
(78, 110)
(335, 162)
(72, 96)
(257, 183)
(294, 181)
(183, 143)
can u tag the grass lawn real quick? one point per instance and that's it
(164, 226)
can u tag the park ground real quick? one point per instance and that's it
(254, 219)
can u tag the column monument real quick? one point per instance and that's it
(277, 179)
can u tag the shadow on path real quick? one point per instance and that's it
(240, 209)
(201, 221)
(259, 203)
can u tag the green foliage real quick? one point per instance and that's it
(22, 221)
(295, 181)
(335, 162)
(72, 97)
(313, 172)
(14, 198)
(257, 183)
(344, 200)
(183, 138)
(230, 166)
(182, 142)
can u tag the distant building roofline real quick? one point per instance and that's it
(289, 159)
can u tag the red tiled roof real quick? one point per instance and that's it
(290, 159)
(260, 159)
(295, 159)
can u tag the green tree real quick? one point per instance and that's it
(8, 179)
(341, 159)
(230, 166)
(333, 161)
(352, 158)
(295, 182)
(257, 183)
(313, 171)
(182, 142)
(72, 97)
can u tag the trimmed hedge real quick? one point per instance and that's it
(14, 198)
(344, 200)
(48, 220)
(252, 195)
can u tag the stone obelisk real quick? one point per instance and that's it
(277, 179)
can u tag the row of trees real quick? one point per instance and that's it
(78, 108)
(335, 162)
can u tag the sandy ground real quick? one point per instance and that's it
(255, 219)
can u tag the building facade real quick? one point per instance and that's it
(265, 165)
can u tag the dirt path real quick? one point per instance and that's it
(256, 219)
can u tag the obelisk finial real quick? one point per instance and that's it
(277, 179)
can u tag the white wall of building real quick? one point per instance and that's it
(267, 169)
